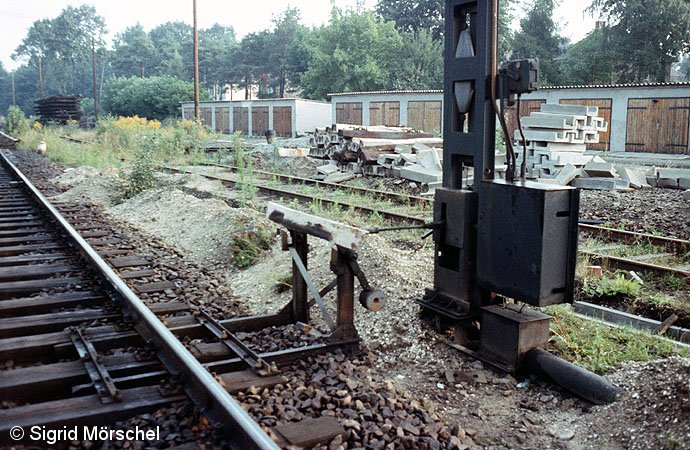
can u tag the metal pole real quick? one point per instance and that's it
(196, 66)
(40, 76)
(14, 94)
(93, 70)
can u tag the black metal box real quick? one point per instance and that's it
(507, 333)
(527, 241)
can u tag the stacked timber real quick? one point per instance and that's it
(58, 109)
(376, 150)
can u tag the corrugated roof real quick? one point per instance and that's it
(622, 85)
(420, 91)
(592, 86)
(256, 100)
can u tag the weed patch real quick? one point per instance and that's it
(249, 246)
(598, 347)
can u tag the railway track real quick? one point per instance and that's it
(77, 346)
(643, 263)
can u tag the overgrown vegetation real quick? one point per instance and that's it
(245, 169)
(249, 246)
(598, 347)
(611, 286)
(16, 123)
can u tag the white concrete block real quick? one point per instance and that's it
(428, 158)
(327, 169)
(635, 178)
(597, 169)
(420, 174)
(566, 175)
(686, 195)
(556, 108)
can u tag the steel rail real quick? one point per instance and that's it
(413, 199)
(212, 399)
(396, 217)
(673, 244)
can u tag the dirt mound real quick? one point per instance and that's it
(201, 227)
(87, 184)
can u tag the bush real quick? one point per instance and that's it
(17, 124)
(142, 174)
(152, 97)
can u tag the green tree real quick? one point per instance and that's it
(153, 97)
(539, 37)
(354, 52)
(287, 32)
(589, 60)
(251, 59)
(173, 49)
(423, 67)
(133, 53)
(5, 88)
(216, 48)
(414, 15)
(646, 36)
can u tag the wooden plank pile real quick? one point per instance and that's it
(58, 109)
(379, 151)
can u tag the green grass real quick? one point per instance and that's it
(598, 347)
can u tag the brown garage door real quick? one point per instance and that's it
(527, 107)
(657, 125)
(188, 113)
(240, 120)
(223, 120)
(259, 120)
(349, 113)
(384, 113)
(206, 115)
(604, 105)
(424, 116)
(282, 120)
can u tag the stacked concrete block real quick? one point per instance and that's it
(669, 177)
(557, 137)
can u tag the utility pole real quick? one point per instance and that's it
(196, 66)
(14, 94)
(95, 88)
(40, 76)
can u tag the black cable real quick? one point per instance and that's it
(523, 165)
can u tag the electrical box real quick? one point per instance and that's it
(507, 333)
(527, 241)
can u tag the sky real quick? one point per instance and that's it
(16, 16)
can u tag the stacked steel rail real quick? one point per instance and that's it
(62, 311)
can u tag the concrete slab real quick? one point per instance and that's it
(566, 175)
(667, 172)
(601, 184)
(339, 177)
(599, 169)
(327, 169)
(556, 121)
(557, 108)
(635, 178)
(420, 174)
(428, 158)
(686, 195)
